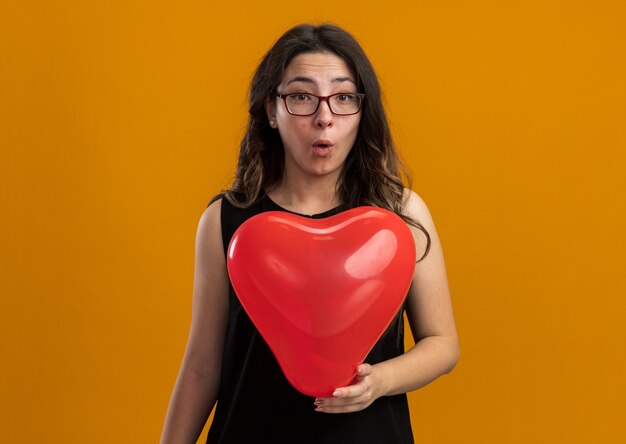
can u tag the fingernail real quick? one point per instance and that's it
(336, 393)
(317, 402)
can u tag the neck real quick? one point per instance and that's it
(306, 195)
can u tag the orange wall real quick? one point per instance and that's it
(119, 120)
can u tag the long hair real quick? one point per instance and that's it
(373, 173)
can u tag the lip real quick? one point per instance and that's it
(327, 142)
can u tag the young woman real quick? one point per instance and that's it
(317, 143)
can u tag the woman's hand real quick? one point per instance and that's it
(358, 396)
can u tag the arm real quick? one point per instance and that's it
(430, 316)
(196, 388)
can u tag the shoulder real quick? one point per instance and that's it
(214, 208)
(216, 198)
(209, 226)
(425, 237)
(415, 207)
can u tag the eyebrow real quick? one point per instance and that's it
(309, 80)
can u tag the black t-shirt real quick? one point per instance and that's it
(256, 403)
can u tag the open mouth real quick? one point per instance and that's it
(322, 146)
(321, 149)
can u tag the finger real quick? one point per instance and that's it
(349, 395)
(343, 406)
(352, 398)
(340, 403)
(341, 409)
(351, 391)
(353, 394)
(363, 370)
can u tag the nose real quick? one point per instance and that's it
(323, 116)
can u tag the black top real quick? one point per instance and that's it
(256, 403)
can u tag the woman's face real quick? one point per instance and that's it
(315, 145)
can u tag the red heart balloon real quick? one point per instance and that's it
(322, 291)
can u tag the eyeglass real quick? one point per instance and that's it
(341, 104)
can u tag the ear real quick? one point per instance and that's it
(270, 109)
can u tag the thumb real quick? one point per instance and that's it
(363, 370)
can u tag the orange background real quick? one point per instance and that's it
(119, 120)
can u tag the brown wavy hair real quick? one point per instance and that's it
(373, 173)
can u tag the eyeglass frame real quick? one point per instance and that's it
(320, 99)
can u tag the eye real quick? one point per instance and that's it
(345, 97)
(300, 97)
